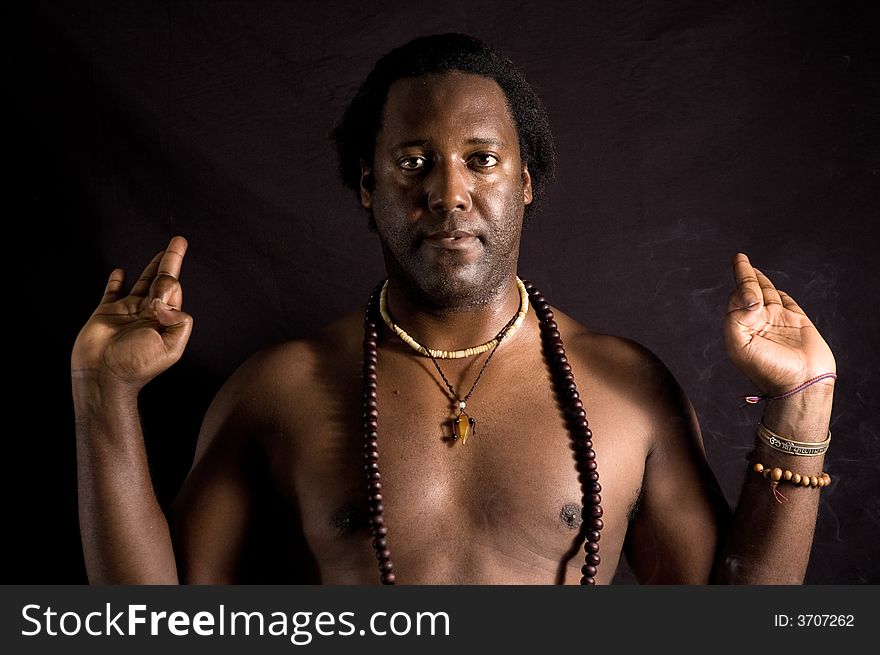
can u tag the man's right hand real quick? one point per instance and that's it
(131, 339)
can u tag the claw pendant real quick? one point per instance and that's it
(463, 425)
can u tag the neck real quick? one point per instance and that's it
(453, 328)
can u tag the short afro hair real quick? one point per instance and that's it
(356, 134)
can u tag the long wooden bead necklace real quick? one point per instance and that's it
(566, 393)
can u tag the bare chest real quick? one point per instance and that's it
(503, 507)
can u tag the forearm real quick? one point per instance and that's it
(768, 541)
(125, 534)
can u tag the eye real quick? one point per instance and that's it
(412, 162)
(484, 160)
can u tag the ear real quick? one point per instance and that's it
(527, 186)
(366, 185)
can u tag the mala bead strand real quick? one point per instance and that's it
(579, 429)
(376, 507)
(777, 475)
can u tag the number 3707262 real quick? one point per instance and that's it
(814, 620)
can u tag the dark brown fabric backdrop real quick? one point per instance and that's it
(686, 131)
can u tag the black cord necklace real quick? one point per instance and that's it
(567, 395)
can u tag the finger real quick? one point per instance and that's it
(166, 290)
(177, 329)
(113, 290)
(743, 316)
(143, 283)
(748, 294)
(789, 303)
(771, 295)
(172, 260)
(168, 316)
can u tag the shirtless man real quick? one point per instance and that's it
(446, 176)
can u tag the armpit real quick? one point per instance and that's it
(348, 519)
(635, 506)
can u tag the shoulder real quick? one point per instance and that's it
(627, 375)
(299, 361)
(286, 374)
(622, 364)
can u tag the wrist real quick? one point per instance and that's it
(777, 391)
(95, 390)
(804, 416)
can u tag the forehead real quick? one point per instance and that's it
(445, 105)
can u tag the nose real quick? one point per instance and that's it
(447, 187)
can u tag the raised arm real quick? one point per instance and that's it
(128, 340)
(771, 340)
(683, 531)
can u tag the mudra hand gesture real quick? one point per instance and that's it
(132, 339)
(769, 337)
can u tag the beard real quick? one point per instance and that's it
(441, 280)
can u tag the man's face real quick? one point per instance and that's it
(447, 188)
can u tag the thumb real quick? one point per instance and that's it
(176, 324)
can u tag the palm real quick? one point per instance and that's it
(136, 337)
(769, 337)
(126, 338)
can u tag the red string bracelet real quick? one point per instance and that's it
(754, 400)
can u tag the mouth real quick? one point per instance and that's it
(455, 240)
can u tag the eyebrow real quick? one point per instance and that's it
(411, 144)
(474, 141)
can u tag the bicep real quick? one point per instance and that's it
(673, 538)
(211, 515)
(210, 518)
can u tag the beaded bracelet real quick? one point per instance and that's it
(789, 447)
(777, 475)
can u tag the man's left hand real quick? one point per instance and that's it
(769, 337)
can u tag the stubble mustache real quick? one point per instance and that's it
(450, 223)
